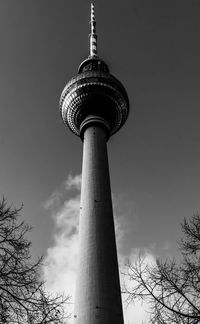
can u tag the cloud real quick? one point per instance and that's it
(73, 182)
(54, 201)
(61, 259)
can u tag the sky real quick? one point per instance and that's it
(153, 48)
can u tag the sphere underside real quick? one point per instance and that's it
(94, 93)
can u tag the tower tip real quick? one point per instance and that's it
(93, 35)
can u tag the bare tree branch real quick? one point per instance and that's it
(172, 289)
(22, 295)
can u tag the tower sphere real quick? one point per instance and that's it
(94, 91)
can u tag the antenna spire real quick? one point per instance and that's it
(93, 35)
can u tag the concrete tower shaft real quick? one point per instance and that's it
(94, 105)
(98, 297)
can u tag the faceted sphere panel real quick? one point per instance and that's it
(94, 93)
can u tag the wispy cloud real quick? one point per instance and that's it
(73, 182)
(60, 262)
(61, 258)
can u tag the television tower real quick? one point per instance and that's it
(94, 105)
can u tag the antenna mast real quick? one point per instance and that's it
(93, 35)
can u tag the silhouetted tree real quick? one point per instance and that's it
(22, 295)
(172, 288)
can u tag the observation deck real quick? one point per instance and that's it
(94, 91)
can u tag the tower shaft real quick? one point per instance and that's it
(98, 297)
(95, 105)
